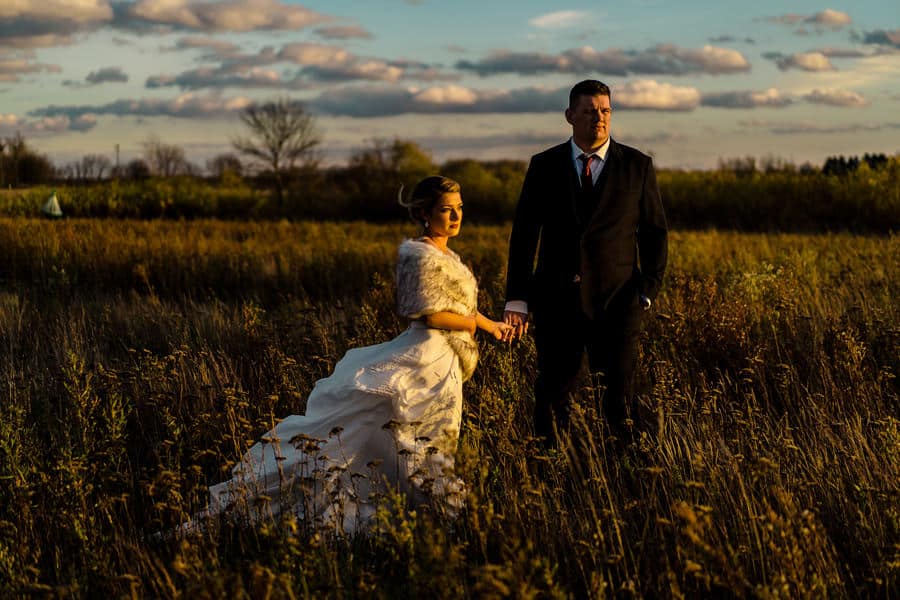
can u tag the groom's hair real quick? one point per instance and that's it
(588, 87)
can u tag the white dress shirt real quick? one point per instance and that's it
(596, 165)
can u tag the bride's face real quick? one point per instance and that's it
(446, 215)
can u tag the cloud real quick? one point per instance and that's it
(49, 125)
(774, 99)
(795, 128)
(11, 124)
(328, 63)
(529, 139)
(830, 18)
(105, 75)
(882, 37)
(115, 74)
(383, 101)
(833, 19)
(229, 15)
(770, 98)
(523, 63)
(45, 23)
(377, 70)
(841, 52)
(788, 19)
(559, 20)
(663, 59)
(651, 95)
(78, 11)
(805, 61)
(343, 32)
(62, 123)
(319, 63)
(833, 97)
(724, 39)
(305, 53)
(217, 48)
(83, 122)
(38, 40)
(12, 69)
(218, 77)
(188, 106)
(448, 95)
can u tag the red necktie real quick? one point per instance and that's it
(587, 180)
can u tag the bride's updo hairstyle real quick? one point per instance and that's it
(425, 195)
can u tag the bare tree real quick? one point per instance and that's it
(136, 169)
(224, 163)
(164, 159)
(92, 167)
(281, 134)
(16, 149)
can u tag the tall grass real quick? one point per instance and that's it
(139, 359)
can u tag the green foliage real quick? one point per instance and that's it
(139, 359)
(153, 198)
(20, 164)
(737, 196)
(865, 200)
(491, 189)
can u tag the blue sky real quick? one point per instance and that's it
(692, 81)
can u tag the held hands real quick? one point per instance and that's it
(498, 329)
(501, 331)
(518, 322)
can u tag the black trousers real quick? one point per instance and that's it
(563, 334)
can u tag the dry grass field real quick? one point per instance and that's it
(139, 359)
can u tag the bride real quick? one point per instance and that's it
(388, 417)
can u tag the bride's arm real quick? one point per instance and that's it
(454, 322)
(498, 329)
(451, 321)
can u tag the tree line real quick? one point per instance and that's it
(275, 170)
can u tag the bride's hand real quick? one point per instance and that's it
(502, 331)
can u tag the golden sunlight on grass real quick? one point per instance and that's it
(138, 360)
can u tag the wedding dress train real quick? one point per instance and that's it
(387, 418)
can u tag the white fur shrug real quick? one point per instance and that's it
(429, 281)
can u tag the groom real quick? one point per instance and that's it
(590, 209)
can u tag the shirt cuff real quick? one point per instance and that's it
(519, 306)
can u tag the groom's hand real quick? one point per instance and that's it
(518, 320)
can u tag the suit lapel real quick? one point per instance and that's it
(612, 174)
(569, 183)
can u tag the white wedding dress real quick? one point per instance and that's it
(387, 418)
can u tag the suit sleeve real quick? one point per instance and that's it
(523, 240)
(652, 235)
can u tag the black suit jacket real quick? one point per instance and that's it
(622, 242)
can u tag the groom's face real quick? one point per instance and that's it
(590, 118)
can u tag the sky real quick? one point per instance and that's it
(693, 82)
